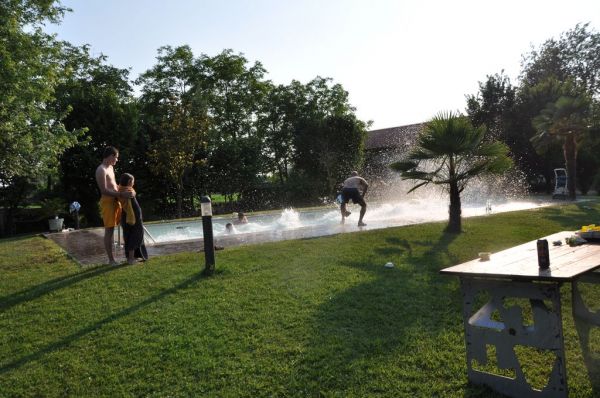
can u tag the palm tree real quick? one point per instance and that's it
(450, 152)
(566, 120)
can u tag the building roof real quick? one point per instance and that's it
(393, 137)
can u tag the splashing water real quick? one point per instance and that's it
(326, 221)
(389, 205)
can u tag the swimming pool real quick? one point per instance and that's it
(326, 221)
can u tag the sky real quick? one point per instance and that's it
(402, 61)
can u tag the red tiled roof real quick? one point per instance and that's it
(393, 137)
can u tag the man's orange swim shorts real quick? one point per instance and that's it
(110, 208)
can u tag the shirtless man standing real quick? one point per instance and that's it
(350, 191)
(109, 205)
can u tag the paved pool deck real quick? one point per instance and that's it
(87, 248)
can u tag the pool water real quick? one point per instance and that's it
(326, 221)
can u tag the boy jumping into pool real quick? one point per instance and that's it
(110, 208)
(350, 191)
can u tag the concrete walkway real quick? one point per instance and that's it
(87, 248)
(86, 245)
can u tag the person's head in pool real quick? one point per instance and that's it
(241, 218)
(229, 228)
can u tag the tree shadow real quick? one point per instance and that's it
(584, 214)
(42, 289)
(481, 391)
(432, 256)
(17, 238)
(591, 359)
(389, 314)
(399, 247)
(17, 363)
(587, 324)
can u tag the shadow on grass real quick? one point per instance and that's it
(400, 247)
(42, 289)
(391, 314)
(587, 325)
(18, 238)
(433, 256)
(584, 214)
(79, 334)
(591, 359)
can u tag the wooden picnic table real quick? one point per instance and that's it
(495, 295)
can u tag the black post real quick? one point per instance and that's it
(76, 219)
(207, 230)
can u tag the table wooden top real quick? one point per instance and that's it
(521, 262)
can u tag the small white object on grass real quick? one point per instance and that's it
(389, 265)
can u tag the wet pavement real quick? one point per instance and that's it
(87, 248)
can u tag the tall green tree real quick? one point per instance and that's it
(574, 56)
(450, 152)
(234, 92)
(327, 149)
(101, 101)
(328, 138)
(235, 166)
(492, 105)
(566, 119)
(277, 126)
(573, 59)
(32, 134)
(175, 115)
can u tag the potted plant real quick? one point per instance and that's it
(51, 208)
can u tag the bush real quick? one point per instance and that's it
(52, 207)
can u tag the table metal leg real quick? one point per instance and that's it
(494, 324)
(580, 310)
(585, 321)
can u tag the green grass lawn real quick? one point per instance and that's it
(306, 318)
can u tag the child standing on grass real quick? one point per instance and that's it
(131, 222)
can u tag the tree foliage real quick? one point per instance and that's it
(283, 109)
(32, 135)
(496, 98)
(515, 115)
(574, 56)
(328, 139)
(101, 102)
(566, 119)
(234, 92)
(176, 116)
(202, 124)
(327, 149)
(560, 82)
(449, 153)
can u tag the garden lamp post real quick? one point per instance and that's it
(207, 230)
